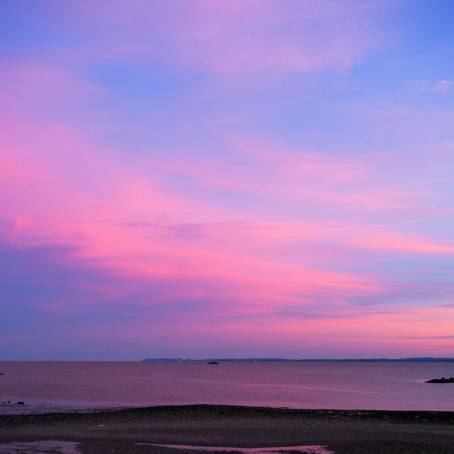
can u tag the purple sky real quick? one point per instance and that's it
(226, 178)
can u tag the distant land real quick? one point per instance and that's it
(428, 359)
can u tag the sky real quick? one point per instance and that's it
(226, 178)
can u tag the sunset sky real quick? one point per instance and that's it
(226, 178)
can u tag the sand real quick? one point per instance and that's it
(141, 430)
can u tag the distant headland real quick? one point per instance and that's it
(427, 359)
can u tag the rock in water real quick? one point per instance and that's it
(441, 380)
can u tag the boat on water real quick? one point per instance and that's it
(213, 362)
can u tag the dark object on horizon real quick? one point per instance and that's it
(213, 362)
(320, 360)
(441, 380)
(163, 360)
(8, 403)
(1, 373)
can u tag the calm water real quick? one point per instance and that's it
(394, 386)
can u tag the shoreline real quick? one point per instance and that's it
(407, 415)
(139, 430)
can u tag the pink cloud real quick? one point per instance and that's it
(91, 206)
(310, 178)
(302, 163)
(444, 87)
(123, 214)
(236, 37)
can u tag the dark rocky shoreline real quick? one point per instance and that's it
(342, 431)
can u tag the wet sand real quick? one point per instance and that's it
(140, 430)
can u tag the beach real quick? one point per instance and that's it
(140, 430)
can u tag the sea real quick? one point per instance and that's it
(81, 386)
